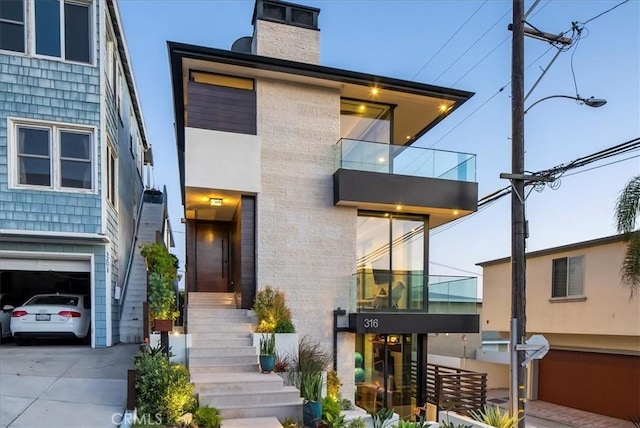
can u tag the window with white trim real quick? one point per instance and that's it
(112, 175)
(568, 277)
(63, 29)
(53, 156)
(12, 28)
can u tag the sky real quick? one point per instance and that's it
(463, 44)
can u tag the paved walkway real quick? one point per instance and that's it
(541, 414)
(62, 385)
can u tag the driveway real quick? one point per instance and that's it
(63, 385)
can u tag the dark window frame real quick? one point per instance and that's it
(562, 280)
(23, 24)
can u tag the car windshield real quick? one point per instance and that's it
(54, 300)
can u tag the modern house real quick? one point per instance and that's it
(305, 178)
(576, 300)
(73, 150)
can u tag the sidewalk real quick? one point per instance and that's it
(63, 386)
(559, 414)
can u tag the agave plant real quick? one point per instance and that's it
(379, 419)
(492, 415)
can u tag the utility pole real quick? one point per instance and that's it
(517, 391)
(518, 268)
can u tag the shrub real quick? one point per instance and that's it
(284, 326)
(356, 423)
(162, 297)
(271, 309)
(492, 415)
(283, 363)
(345, 404)
(161, 387)
(333, 384)
(330, 409)
(160, 260)
(207, 417)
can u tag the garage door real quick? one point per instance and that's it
(600, 383)
(39, 264)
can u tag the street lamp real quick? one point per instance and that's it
(589, 102)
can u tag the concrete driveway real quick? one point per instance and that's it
(47, 385)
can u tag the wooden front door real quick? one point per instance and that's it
(212, 257)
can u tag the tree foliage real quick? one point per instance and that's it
(627, 212)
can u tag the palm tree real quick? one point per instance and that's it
(627, 212)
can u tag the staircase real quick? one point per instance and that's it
(224, 364)
(131, 319)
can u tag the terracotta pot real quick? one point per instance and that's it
(163, 325)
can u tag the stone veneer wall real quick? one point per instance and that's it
(286, 42)
(306, 246)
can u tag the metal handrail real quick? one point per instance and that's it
(125, 282)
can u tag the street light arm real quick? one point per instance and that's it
(590, 102)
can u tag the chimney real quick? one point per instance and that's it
(286, 30)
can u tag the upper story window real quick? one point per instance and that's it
(63, 29)
(366, 121)
(12, 25)
(568, 277)
(52, 156)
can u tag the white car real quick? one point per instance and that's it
(52, 315)
(7, 305)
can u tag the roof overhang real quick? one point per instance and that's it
(418, 106)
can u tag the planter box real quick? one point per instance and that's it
(286, 343)
(178, 344)
(163, 325)
(361, 413)
(460, 419)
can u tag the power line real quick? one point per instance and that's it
(605, 12)
(450, 38)
(601, 166)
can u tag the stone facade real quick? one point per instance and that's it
(286, 42)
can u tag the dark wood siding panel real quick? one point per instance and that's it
(220, 108)
(190, 244)
(248, 250)
(599, 383)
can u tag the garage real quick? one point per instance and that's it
(28, 274)
(596, 382)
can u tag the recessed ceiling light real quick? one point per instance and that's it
(361, 108)
(398, 207)
(375, 91)
(408, 137)
(381, 159)
(455, 212)
(215, 202)
(443, 107)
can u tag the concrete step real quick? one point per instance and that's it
(199, 318)
(284, 395)
(222, 361)
(234, 383)
(223, 351)
(229, 368)
(281, 411)
(221, 337)
(214, 312)
(209, 305)
(197, 342)
(251, 422)
(213, 328)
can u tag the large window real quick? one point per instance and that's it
(568, 277)
(12, 34)
(53, 156)
(63, 29)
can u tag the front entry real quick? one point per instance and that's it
(211, 257)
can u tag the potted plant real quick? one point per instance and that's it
(311, 391)
(162, 304)
(268, 353)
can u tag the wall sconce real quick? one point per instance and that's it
(215, 202)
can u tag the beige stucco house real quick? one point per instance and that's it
(576, 300)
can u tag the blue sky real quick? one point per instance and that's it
(406, 39)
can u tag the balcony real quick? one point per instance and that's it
(381, 177)
(402, 302)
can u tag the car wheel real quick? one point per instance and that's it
(22, 342)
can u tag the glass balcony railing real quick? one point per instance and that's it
(405, 160)
(383, 290)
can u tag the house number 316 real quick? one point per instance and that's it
(371, 323)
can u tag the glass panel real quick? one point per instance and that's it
(559, 286)
(76, 174)
(47, 27)
(576, 269)
(276, 12)
(373, 256)
(405, 160)
(12, 36)
(407, 264)
(77, 33)
(75, 145)
(453, 295)
(303, 17)
(33, 141)
(13, 10)
(34, 171)
(361, 120)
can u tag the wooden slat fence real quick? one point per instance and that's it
(454, 389)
